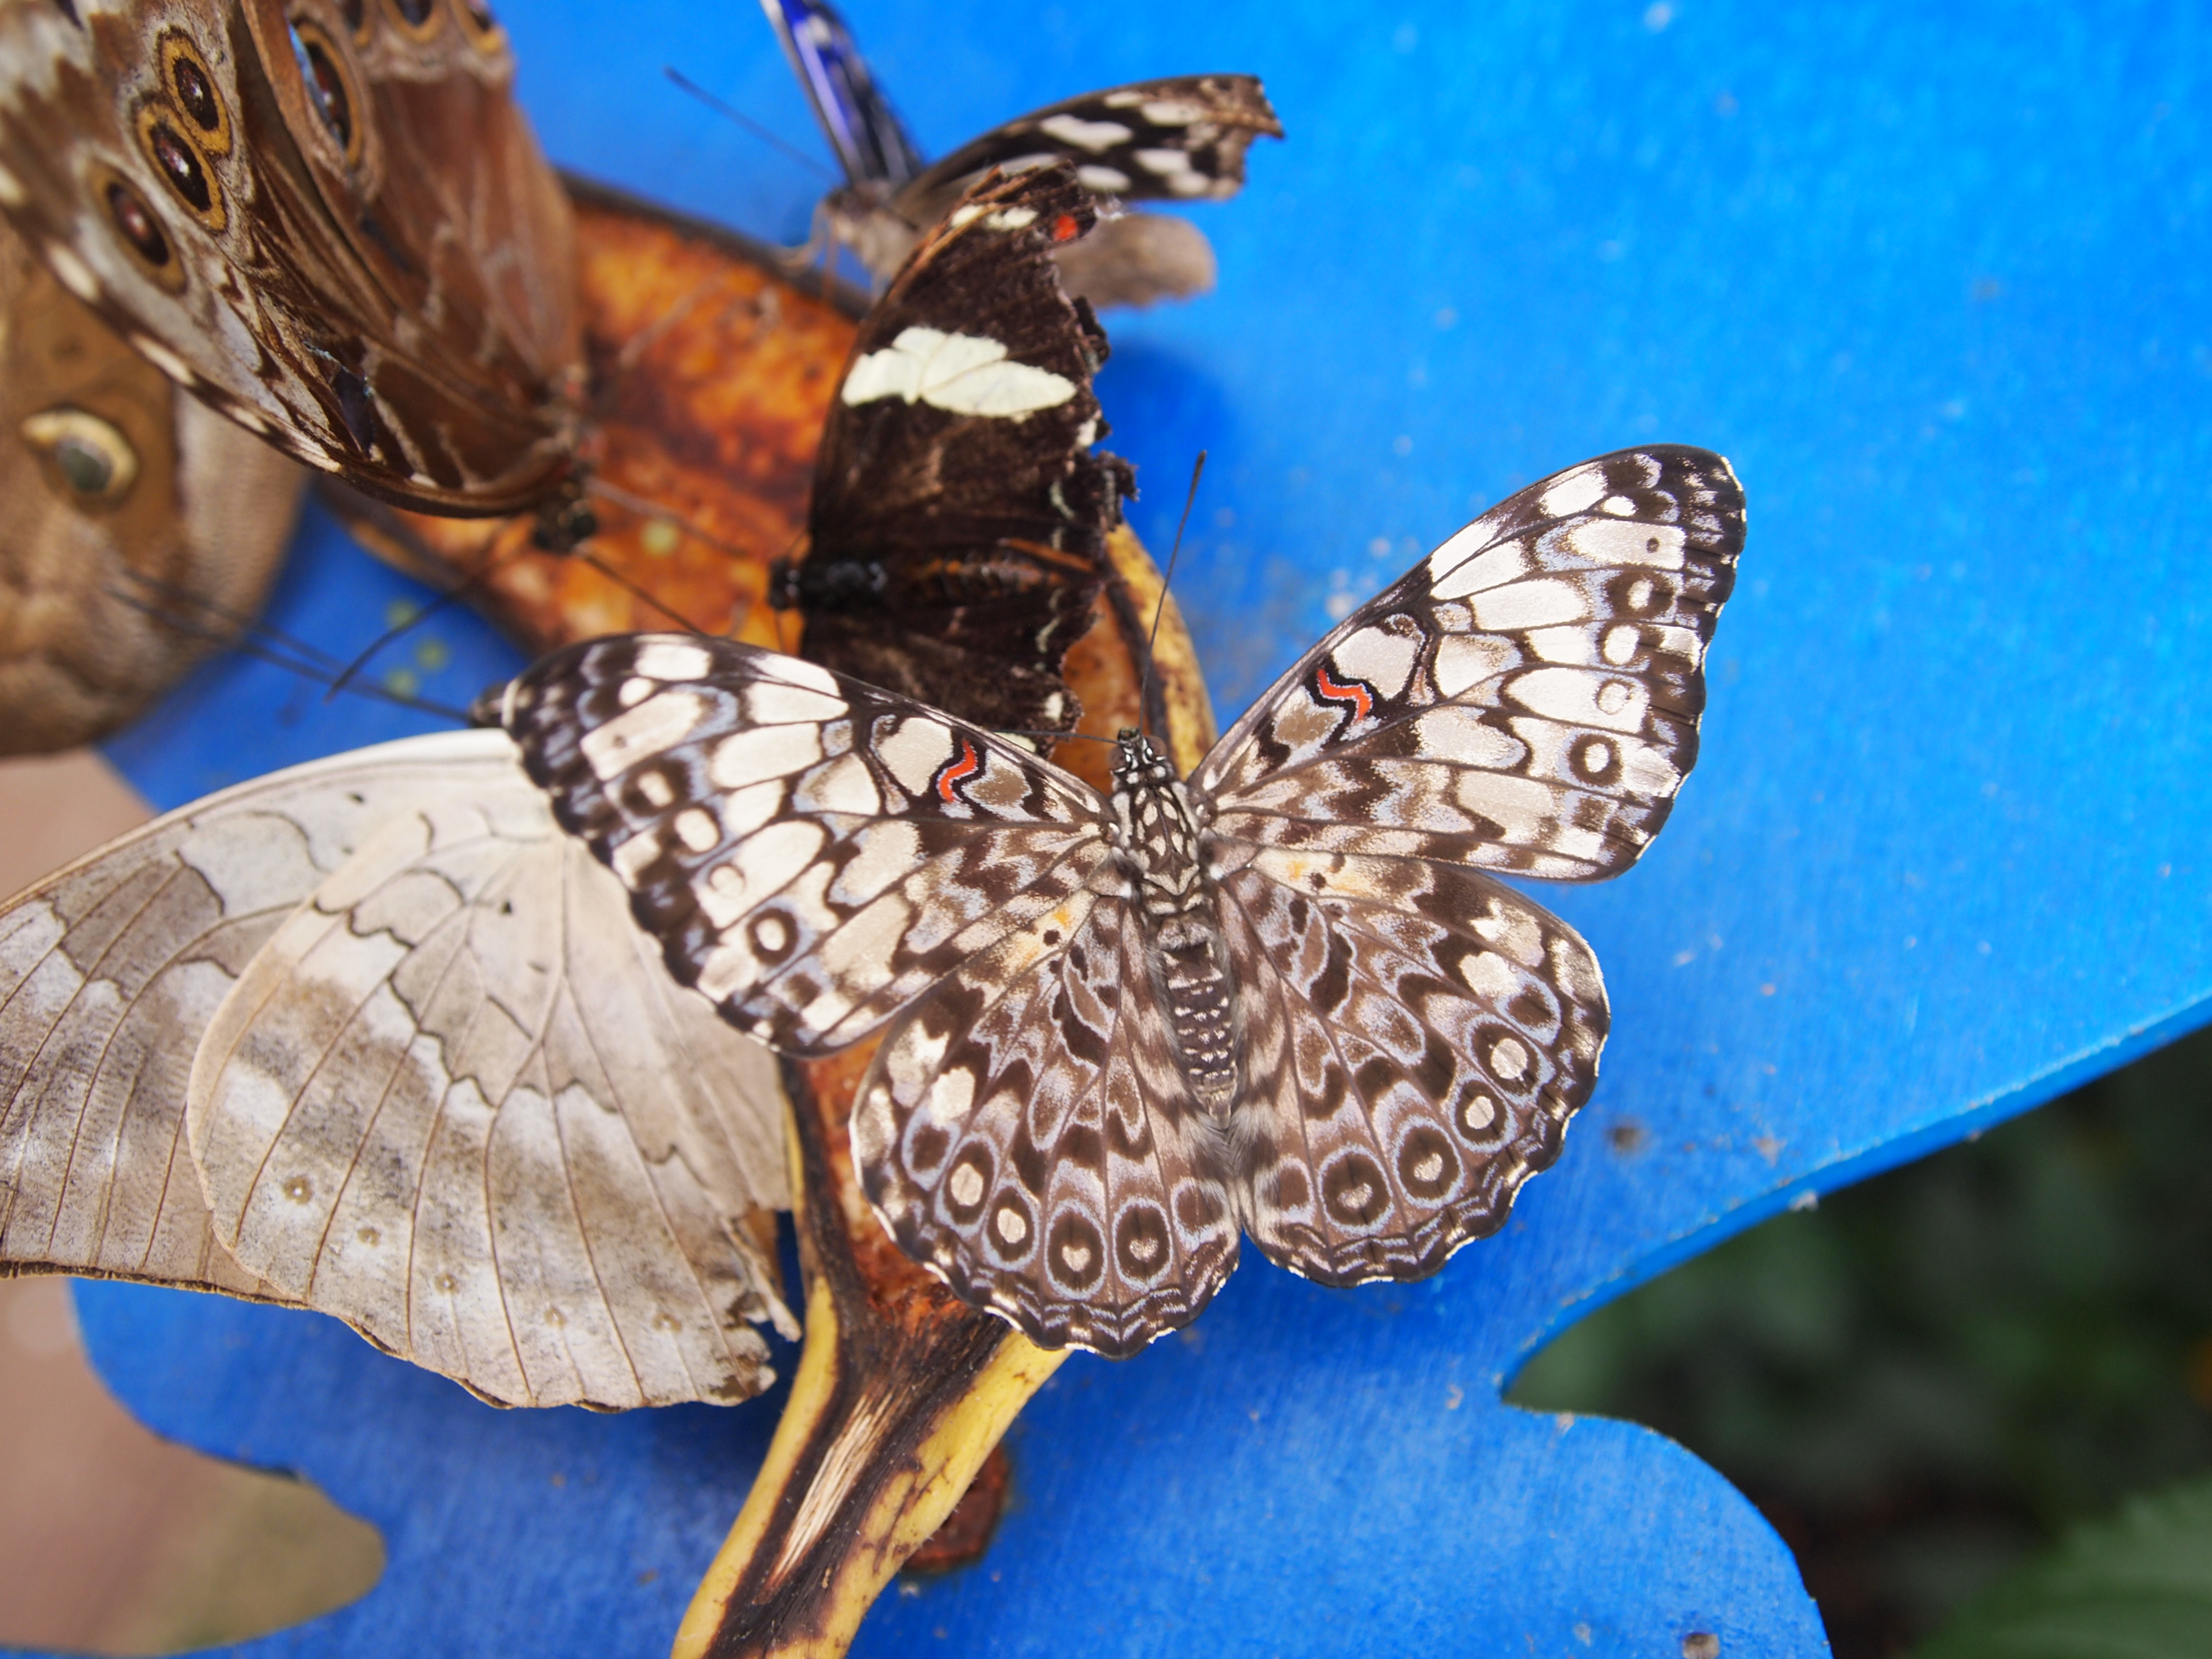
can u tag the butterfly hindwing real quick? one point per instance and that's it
(330, 221)
(1417, 1036)
(958, 534)
(1024, 1132)
(455, 1101)
(812, 852)
(1525, 699)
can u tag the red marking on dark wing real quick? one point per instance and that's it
(1065, 229)
(955, 773)
(1361, 699)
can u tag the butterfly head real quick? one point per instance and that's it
(1137, 762)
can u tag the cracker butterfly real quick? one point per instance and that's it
(1284, 997)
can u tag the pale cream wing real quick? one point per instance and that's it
(458, 1101)
(111, 968)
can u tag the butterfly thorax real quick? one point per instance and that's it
(1175, 897)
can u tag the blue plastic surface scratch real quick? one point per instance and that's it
(1935, 281)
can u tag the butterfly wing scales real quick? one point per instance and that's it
(454, 1102)
(111, 968)
(811, 852)
(1526, 699)
(399, 307)
(1024, 1132)
(1418, 1035)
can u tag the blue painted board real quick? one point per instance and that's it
(1935, 280)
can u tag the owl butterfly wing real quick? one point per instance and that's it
(143, 528)
(333, 224)
(1024, 1132)
(110, 970)
(812, 852)
(1525, 699)
(872, 142)
(455, 1101)
(957, 533)
(1416, 1037)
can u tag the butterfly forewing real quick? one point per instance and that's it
(1024, 1131)
(1525, 699)
(872, 142)
(1179, 139)
(813, 853)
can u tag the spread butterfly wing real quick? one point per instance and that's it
(1416, 1037)
(1526, 699)
(143, 529)
(331, 223)
(1024, 1131)
(870, 141)
(456, 1100)
(957, 531)
(811, 852)
(111, 968)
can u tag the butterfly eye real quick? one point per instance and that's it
(328, 88)
(193, 86)
(95, 461)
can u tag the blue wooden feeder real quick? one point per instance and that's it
(1935, 280)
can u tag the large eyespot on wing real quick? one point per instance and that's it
(957, 497)
(143, 528)
(455, 1101)
(870, 142)
(1024, 1132)
(341, 236)
(812, 852)
(1525, 699)
(110, 971)
(1417, 1037)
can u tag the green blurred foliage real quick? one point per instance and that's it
(2136, 1586)
(1926, 1380)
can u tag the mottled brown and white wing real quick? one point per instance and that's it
(457, 1101)
(812, 852)
(1526, 699)
(111, 968)
(1416, 1037)
(1026, 1134)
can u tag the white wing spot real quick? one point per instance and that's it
(76, 276)
(1383, 659)
(1615, 695)
(12, 194)
(636, 690)
(1620, 505)
(792, 671)
(696, 829)
(1109, 181)
(1478, 1113)
(960, 373)
(655, 789)
(913, 751)
(673, 660)
(771, 933)
(1575, 490)
(1080, 134)
(1173, 113)
(651, 726)
(966, 1185)
(1509, 1059)
(761, 752)
(770, 703)
(1013, 218)
(1621, 642)
(1012, 1226)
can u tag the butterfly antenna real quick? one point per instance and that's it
(685, 83)
(1145, 687)
(203, 619)
(639, 593)
(414, 618)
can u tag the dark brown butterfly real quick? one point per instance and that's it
(958, 531)
(142, 530)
